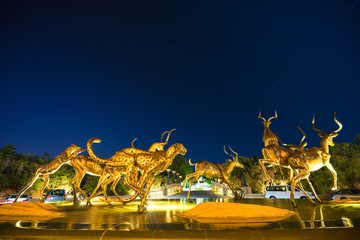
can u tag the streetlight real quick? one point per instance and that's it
(177, 179)
(168, 171)
(180, 179)
(173, 177)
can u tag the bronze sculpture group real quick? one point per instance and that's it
(129, 161)
(301, 161)
(141, 166)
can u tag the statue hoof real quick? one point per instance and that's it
(141, 209)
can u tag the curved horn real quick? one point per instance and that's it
(338, 123)
(132, 143)
(260, 117)
(273, 116)
(167, 139)
(313, 126)
(236, 154)
(286, 144)
(304, 135)
(162, 135)
(228, 153)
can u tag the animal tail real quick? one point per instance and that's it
(191, 163)
(91, 152)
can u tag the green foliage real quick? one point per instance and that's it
(89, 183)
(181, 165)
(253, 174)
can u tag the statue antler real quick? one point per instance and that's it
(261, 116)
(233, 157)
(132, 143)
(338, 123)
(313, 126)
(162, 135)
(301, 144)
(236, 154)
(167, 139)
(273, 116)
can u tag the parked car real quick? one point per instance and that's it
(283, 192)
(22, 198)
(55, 195)
(353, 194)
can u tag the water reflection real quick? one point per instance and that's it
(163, 215)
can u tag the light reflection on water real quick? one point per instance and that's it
(162, 215)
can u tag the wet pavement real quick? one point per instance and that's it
(321, 221)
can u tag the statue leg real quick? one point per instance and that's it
(75, 198)
(303, 190)
(302, 174)
(76, 181)
(196, 176)
(150, 179)
(185, 181)
(27, 186)
(330, 167)
(100, 182)
(262, 163)
(113, 186)
(130, 177)
(313, 190)
(46, 180)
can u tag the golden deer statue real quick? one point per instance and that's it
(276, 155)
(45, 170)
(273, 153)
(214, 171)
(310, 160)
(269, 138)
(134, 160)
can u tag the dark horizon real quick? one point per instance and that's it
(117, 70)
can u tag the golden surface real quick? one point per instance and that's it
(214, 171)
(269, 137)
(45, 170)
(86, 165)
(273, 153)
(134, 160)
(310, 160)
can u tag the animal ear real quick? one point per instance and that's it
(321, 135)
(335, 135)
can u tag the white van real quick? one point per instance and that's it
(283, 192)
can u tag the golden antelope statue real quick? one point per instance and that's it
(276, 155)
(134, 160)
(273, 153)
(214, 171)
(45, 170)
(269, 138)
(310, 160)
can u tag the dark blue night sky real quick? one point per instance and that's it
(119, 70)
